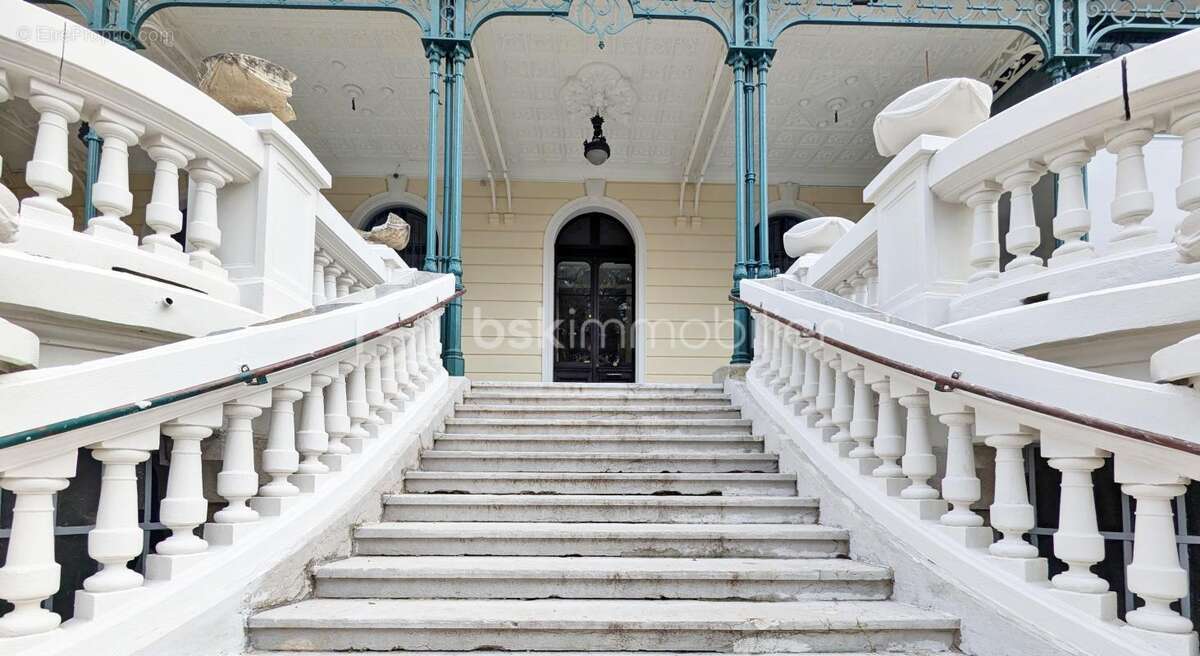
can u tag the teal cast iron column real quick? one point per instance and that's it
(434, 52)
(764, 256)
(741, 316)
(448, 199)
(748, 133)
(452, 355)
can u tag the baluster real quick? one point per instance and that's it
(1024, 235)
(375, 400)
(858, 287)
(162, 212)
(889, 440)
(280, 459)
(843, 289)
(825, 394)
(358, 287)
(1132, 199)
(415, 370)
(961, 485)
(391, 411)
(783, 373)
(238, 481)
(812, 376)
(311, 439)
(757, 346)
(47, 173)
(871, 290)
(403, 377)
(1155, 575)
(30, 573)
(984, 202)
(1011, 513)
(337, 418)
(843, 407)
(110, 193)
(1073, 219)
(184, 506)
(862, 422)
(332, 271)
(768, 343)
(320, 261)
(117, 537)
(919, 464)
(435, 344)
(203, 230)
(356, 404)
(1078, 542)
(1186, 123)
(795, 382)
(424, 346)
(344, 282)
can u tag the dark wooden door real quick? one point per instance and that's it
(594, 303)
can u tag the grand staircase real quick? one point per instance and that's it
(589, 518)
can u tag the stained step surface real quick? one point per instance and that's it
(599, 508)
(569, 539)
(624, 624)
(502, 482)
(517, 461)
(542, 577)
(578, 427)
(631, 442)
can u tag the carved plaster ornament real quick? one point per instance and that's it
(393, 233)
(808, 240)
(942, 108)
(245, 84)
(598, 88)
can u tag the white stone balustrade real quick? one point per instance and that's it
(336, 399)
(905, 470)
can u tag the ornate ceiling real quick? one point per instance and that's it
(527, 102)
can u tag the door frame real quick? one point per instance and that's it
(617, 210)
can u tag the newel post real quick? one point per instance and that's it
(925, 255)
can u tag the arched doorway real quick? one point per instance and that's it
(413, 254)
(594, 301)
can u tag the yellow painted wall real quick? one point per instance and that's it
(688, 269)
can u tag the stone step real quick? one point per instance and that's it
(615, 389)
(624, 539)
(600, 483)
(596, 625)
(599, 398)
(530, 461)
(599, 508)
(588, 427)
(484, 652)
(542, 577)
(627, 443)
(520, 411)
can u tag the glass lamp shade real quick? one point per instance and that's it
(595, 150)
(596, 153)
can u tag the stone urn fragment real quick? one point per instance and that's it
(942, 108)
(808, 240)
(393, 233)
(245, 84)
